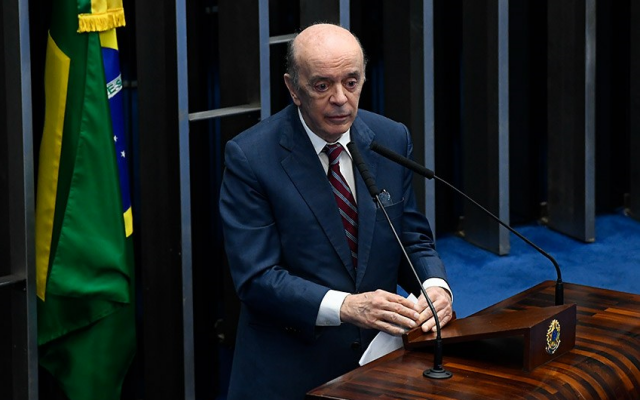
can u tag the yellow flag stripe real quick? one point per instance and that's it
(128, 222)
(56, 83)
(98, 6)
(109, 39)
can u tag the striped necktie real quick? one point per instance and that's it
(344, 198)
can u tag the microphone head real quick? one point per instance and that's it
(405, 162)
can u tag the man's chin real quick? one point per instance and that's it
(337, 133)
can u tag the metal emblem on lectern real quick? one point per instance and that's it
(553, 337)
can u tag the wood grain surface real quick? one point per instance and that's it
(604, 364)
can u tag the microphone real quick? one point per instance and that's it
(438, 371)
(429, 174)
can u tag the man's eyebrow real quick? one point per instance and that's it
(354, 74)
(316, 78)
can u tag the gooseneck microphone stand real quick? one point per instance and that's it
(438, 371)
(429, 174)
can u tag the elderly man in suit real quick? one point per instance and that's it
(313, 260)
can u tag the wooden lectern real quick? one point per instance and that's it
(546, 332)
(505, 358)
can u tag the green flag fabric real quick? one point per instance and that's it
(84, 256)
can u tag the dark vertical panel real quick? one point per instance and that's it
(22, 378)
(202, 24)
(159, 214)
(312, 11)
(238, 24)
(428, 145)
(633, 205)
(612, 104)
(367, 25)
(447, 100)
(605, 104)
(186, 254)
(485, 109)
(571, 117)
(404, 80)
(284, 17)
(527, 108)
(239, 30)
(6, 385)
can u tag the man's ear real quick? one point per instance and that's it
(292, 90)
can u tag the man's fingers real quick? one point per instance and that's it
(395, 304)
(441, 302)
(390, 328)
(443, 317)
(400, 320)
(395, 314)
(380, 310)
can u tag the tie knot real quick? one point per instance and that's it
(333, 151)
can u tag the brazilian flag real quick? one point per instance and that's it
(84, 257)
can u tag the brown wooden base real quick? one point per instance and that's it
(540, 344)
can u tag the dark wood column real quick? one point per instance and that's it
(485, 116)
(527, 109)
(408, 83)
(160, 234)
(18, 339)
(571, 117)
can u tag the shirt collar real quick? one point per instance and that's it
(319, 143)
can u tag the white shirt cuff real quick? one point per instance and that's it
(329, 313)
(438, 282)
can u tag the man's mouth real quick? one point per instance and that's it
(338, 118)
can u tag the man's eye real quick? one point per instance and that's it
(321, 87)
(352, 83)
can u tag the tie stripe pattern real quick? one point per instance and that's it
(344, 198)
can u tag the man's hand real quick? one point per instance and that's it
(441, 302)
(387, 312)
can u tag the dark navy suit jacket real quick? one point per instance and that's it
(286, 248)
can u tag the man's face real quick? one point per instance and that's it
(330, 83)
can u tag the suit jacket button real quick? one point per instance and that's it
(355, 346)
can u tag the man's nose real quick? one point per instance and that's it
(339, 97)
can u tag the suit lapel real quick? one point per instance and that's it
(362, 136)
(305, 171)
